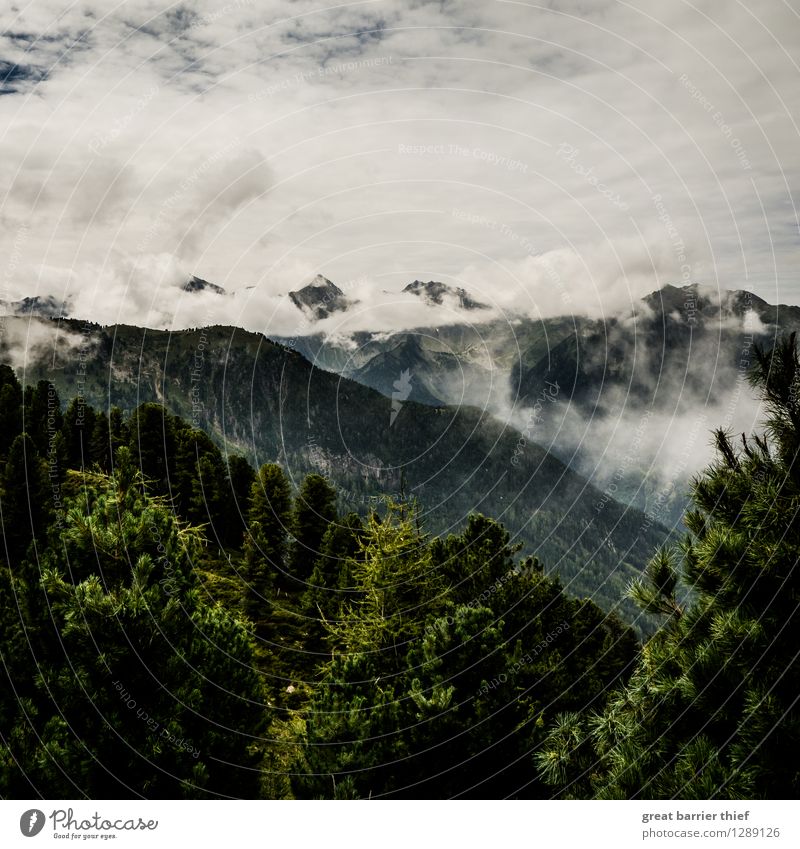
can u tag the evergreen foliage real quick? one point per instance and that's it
(711, 710)
(432, 690)
(314, 511)
(129, 682)
(174, 624)
(262, 399)
(267, 540)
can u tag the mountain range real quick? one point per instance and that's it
(505, 416)
(675, 364)
(262, 399)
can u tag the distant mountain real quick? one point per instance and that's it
(454, 364)
(680, 344)
(683, 344)
(197, 284)
(422, 363)
(436, 293)
(44, 306)
(320, 298)
(682, 352)
(686, 337)
(50, 306)
(263, 399)
(666, 376)
(697, 304)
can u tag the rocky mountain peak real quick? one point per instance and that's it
(197, 284)
(320, 298)
(434, 293)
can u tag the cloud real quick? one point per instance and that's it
(642, 455)
(340, 139)
(29, 341)
(644, 428)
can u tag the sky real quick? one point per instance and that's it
(553, 158)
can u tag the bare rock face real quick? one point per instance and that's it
(434, 293)
(41, 306)
(320, 299)
(197, 284)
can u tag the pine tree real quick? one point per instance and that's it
(25, 502)
(117, 430)
(396, 588)
(711, 710)
(152, 442)
(331, 583)
(134, 685)
(43, 416)
(10, 408)
(433, 693)
(267, 539)
(78, 425)
(100, 443)
(198, 483)
(240, 484)
(314, 511)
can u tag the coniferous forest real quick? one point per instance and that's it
(175, 623)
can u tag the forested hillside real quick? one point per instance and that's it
(268, 403)
(174, 623)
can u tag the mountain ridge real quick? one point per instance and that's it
(435, 292)
(267, 401)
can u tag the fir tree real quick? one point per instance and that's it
(10, 408)
(100, 443)
(431, 693)
(43, 416)
(240, 484)
(152, 442)
(331, 583)
(77, 427)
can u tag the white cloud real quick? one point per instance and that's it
(284, 123)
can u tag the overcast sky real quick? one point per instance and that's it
(559, 157)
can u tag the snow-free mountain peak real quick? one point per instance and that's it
(697, 303)
(435, 292)
(197, 284)
(320, 298)
(43, 306)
